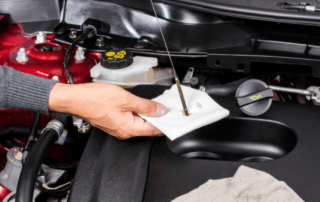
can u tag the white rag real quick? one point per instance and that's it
(202, 108)
(247, 185)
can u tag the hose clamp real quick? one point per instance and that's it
(54, 125)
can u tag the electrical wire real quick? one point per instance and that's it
(32, 137)
(82, 37)
(54, 191)
(56, 188)
(66, 59)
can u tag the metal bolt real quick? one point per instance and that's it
(22, 55)
(17, 153)
(100, 42)
(277, 78)
(80, 54)
(41, 38)
(83, 127)
(73, 34)
(56, 78)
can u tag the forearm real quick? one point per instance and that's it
(59, 98)
(81, 99)
(106, 106)
(24, 91)
(64, 98)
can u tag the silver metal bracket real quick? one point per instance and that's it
(83, 126)
(315, 97)
(312, 93)
(188, 75)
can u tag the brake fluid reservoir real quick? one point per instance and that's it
(119, 67)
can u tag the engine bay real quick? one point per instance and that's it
(265, 72)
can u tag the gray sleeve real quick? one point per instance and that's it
(24, 91)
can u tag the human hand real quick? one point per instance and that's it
(107, 107)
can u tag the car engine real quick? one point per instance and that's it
(262, 67)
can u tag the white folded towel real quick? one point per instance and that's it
(202, 108)
(247, 185)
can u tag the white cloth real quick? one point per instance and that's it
(202, 108)
(247, 185)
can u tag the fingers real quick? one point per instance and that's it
(114, 133)
(141, 127)
(146, 107)
(135, 126)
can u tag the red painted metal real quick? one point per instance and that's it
(3, 192)
(3, 154)
(42, 64)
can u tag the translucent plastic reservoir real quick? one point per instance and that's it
(143, 70)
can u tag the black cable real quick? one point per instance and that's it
(66, 58)
(32, 137)
(35, 124)
(41, 148)
(82, 37)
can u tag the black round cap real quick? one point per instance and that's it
(254, 97)
(116, 59)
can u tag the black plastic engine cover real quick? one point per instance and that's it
(112, 170)
(150, 170)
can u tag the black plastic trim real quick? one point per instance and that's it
(291, 17)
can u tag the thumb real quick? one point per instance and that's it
(147, 107)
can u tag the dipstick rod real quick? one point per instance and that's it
(185, 109)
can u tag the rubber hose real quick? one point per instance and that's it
(32, 165)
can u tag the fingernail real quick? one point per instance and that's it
(161, 109)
